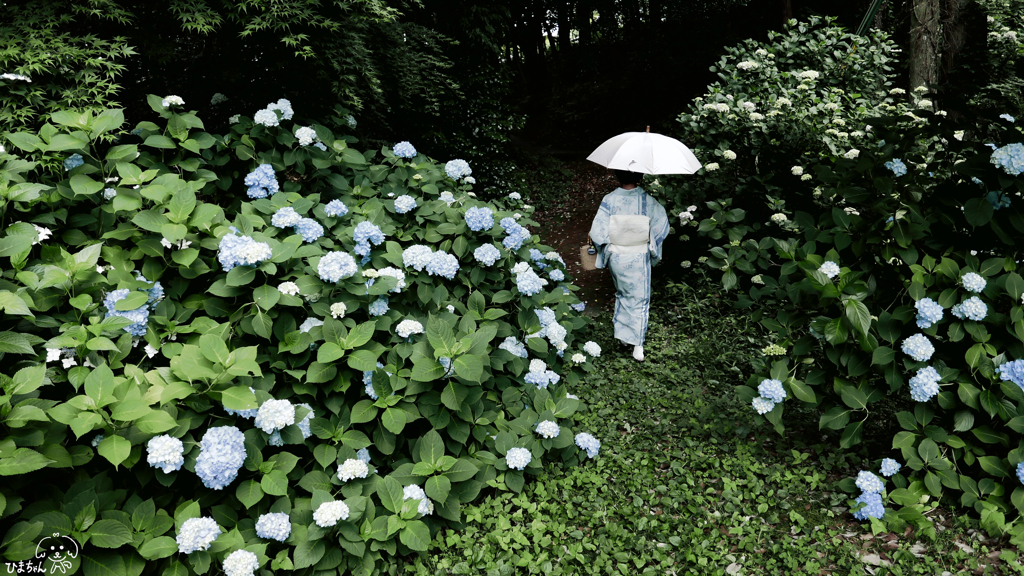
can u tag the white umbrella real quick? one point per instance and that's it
(646, 153)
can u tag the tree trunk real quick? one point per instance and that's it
(787, 10)
(925, 40)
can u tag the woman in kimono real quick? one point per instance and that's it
(628, 231)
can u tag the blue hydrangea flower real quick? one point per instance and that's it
(1020, 472)
(997, 199)
(479, 219)
(274, 526)
(972, 309)
(241, 563)
(197, 534)
(442, 264)
(518, 458)
(1010, 158)
(772, 389)
(241, 251)
(925, 384)
(304, 424)
(262, 182)
(285, 217)
(928, 312)
(309, 229)
(1007, 117)
(873, 507)
(546, 315)
(868, 482)
(889, 467)
(588, 443)
(138, 316)
(165, 452)
(830, 269)
(517, 348)
(416, 257)
(1012, 372)
(222, 453)
(973, 282)
(336, 208)
(405, 150)
(335, 266)
(556, 275)
(528, 283)
(365, 232)
(897, 166)
(73, 161)
(363, 454)
(457, 168)
(379, 306)
(579, 306)
(404, 203)
(487, 254)
(516, 236)
(918, 347)
(447, 198)
(275, 439)
(762, 405)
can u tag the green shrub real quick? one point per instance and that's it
(149, 237)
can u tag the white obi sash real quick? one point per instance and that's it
(629, 234)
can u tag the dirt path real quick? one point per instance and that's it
(564, 226)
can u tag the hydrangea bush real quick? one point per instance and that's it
(255, 350)
(891, 288)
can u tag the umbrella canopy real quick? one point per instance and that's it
(647, 153)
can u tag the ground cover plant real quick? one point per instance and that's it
(884, 260)
(268, 348)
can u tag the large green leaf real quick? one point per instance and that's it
(109, 534)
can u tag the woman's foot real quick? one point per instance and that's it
(638, 353)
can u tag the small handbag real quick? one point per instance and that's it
(588, 256)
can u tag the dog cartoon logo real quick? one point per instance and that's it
(59, 550)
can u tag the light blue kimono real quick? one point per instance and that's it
(631, 272)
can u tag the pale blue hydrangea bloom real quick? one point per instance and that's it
(97, 439)
(443, 264)
(262, 182)
(554, 256)
(479, 219)
(335, 266)
(545, 315)
(593, 349)
(274, 415)
(556, 275)
(304, 424)
(405, 150)
(1020, 472)
(868, 482)
(579, 306)
(445, 363)
(518, 458)
(529, 283)
(513, 346)
(897, 166)
(589, 443)
(306, 135)
(351, 121)
(772, 389)
(275, 439)
(1010, 158)
(830, 269)
(973, 282)
(404, 203)
(407, 328)
(222, 453)
(284, 106)
(309, 229)
(266, 117)
(109, 193)
(285, 217)
(1012, 372)
(416, 256)
(363, 454)
(972, 309)
(379, 307)
(165, 452)
(508, 222)
(873, 507)
(1007, 117)
(487, 254)
(457, 168)
(516, 236)
(351, 469)
(925, 384)
(548, 429)
(73, 161)
(918, 347)
(928, 312)
(414, 492)
(138, 316)
(447, 198)
(274, 526)
(309, 323)
(197, 534)
(540, 376)
(556, 334)
(329, 513)
(889, 467)
(998, 199)
(336, 208)
(762, 405)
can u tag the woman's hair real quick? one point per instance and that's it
(627, 177)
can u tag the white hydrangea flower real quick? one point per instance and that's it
(352, 469)
(338, 310)
(289, 288)
(851, 154)
(150, 351)
(711, 167)
(329, 513)
(729, 155)
(579, 358)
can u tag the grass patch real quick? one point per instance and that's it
(686, 484)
